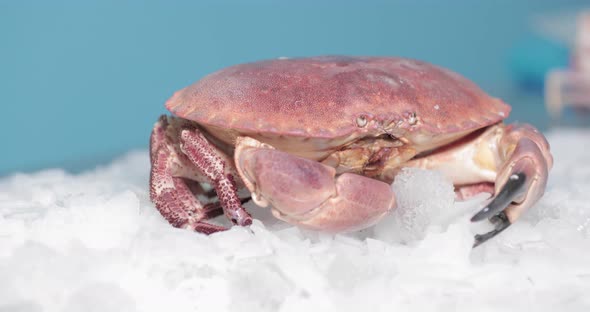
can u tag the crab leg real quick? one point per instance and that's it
(169, 190)
(218, 169)
(515, 158)
(308, 193)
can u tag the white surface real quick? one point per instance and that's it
(94, 242)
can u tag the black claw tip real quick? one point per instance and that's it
(501, 221)
(512, 189)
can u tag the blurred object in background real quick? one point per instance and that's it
(567, 90)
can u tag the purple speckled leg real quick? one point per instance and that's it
(171, 193)
(180, 155)
(218, 169)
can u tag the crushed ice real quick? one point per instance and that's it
(94, 242)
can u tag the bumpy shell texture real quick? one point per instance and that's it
(328, 96)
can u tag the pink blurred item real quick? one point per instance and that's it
(572, 86)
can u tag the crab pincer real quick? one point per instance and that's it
(521, 180)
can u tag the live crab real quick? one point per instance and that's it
(320, 139)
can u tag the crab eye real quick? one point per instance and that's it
(412, 119)
(361, 121)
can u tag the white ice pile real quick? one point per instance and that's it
(94, 242)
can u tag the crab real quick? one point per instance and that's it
(321, 139)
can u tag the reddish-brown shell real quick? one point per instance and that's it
(328, 96)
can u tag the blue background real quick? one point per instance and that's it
(82, 82)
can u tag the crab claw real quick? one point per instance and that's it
(307, 193)
(520, 182)
(511, 190)
(501, 223)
